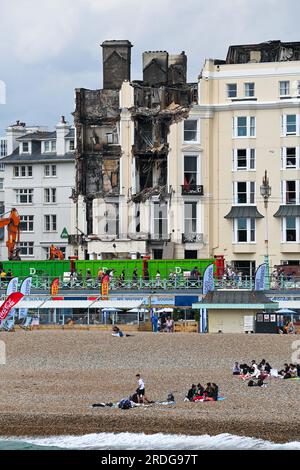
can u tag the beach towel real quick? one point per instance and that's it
(209, 401)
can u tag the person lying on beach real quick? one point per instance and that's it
(236, 369)
(117, 332)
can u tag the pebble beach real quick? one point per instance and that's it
(52, 377)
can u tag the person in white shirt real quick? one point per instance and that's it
(141, 389)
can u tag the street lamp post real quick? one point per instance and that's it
(265, 191)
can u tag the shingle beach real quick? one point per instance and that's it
(52, 377)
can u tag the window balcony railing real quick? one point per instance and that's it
(192, 189)
(192, 238)
(159, 237)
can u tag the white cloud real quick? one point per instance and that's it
(50, 45)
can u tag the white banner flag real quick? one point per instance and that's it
(208, 286)
(260, 277)
(208, 279)
(25, 290)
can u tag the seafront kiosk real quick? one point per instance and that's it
(227, 309)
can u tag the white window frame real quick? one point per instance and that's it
(198, 227)
(3, 147)
(249, 184)
(69, 145)
(283, 231)
(51, 174)
(284, 165)
(249, 91)
(250, 156)
(283, 186)
(198, 175)
(27, 219)
(50, 223)
(52, 146)
(18, 173)
(153, 218)
(284, 85)
(249, 127)
(50, 195)
(228, 90)
(22, 192)
(197, 141)
(29, 247)
(284, 132)
(249, 227)
(21, 148)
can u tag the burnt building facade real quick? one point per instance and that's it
(138, 160)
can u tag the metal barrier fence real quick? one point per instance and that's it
(62, 317)
(44, 283)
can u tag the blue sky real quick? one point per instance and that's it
(50, 47)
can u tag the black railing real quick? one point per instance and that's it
(194, 189)
(192, 238)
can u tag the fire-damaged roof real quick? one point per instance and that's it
(269, 51)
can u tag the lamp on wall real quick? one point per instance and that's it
(265, 191)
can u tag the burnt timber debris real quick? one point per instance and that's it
(162, 98)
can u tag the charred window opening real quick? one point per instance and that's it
(150, 135)
(152, 173)
(110, 176)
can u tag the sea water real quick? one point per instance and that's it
(130, 441)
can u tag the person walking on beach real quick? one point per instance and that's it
(141, 389)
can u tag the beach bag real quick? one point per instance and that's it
(125, 404)
(250, 383)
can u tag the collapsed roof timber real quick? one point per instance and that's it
(162, 98)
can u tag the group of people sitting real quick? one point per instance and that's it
(257, 373)
(254, 373)
(290, 371)
(199, 393)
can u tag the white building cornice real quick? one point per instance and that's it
(210, 109)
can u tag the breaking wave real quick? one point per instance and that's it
(131, 441)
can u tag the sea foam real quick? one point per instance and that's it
(132, 441)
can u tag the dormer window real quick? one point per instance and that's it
(25, 147)
(71, 145)
(49, 146)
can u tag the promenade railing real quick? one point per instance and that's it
(43, 283)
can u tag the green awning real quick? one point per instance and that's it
(290, 210)
(236, 300)
(243, 212)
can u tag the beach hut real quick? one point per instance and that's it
(227, 309)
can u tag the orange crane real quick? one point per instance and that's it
(13, 230)
(55, 253)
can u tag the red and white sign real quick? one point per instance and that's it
(9, 303)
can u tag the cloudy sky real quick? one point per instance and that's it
(50, 47)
